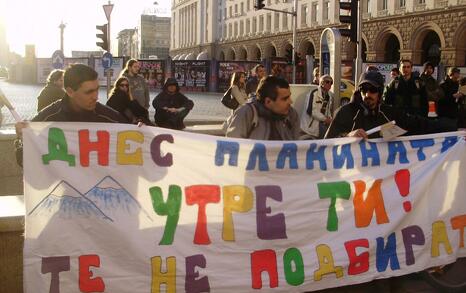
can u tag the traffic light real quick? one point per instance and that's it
(259, 4)
(102, 36)
(352, 19)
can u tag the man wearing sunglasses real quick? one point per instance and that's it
(365, 112)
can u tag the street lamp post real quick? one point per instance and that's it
(62, 27)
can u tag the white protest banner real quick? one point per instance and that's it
(117, 208)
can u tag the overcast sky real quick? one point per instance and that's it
(36, 22)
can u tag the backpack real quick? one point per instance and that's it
(311, 100)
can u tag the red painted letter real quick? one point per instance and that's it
(264, 260)
(202, 195)
(358, 263)
(86, 284)
(100, 146)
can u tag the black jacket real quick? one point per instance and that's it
(408, 95)
(355, 116)
(61, 111)
(48, 95)
(166, 119)
(131, 109)
(448, 106)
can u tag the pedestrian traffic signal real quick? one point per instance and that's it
(259, 4)
(352, 19)
(103, 42)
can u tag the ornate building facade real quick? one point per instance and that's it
(420, 30)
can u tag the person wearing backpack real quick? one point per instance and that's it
(318, 111)
(270, 117)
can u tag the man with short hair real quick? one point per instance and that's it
(365, 112)
(432, 87)
(318, 112)
(406, 92)
(270, 117)
(78, 105)
(394, 73)
(253, 81)
(449, 104)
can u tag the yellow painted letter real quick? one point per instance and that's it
(326, 263)
(439, 235)
(124, 158)
(168, 278)
(237, 198)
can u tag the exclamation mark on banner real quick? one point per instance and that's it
(402, 179)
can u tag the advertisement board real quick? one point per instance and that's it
(192, 75)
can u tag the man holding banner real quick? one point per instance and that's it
(270, 117)
(365, 112)
(78, 105)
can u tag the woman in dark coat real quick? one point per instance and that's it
(171, 106)
(121, 100)
(53, 90)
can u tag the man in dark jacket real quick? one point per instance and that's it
(78, 105)
(53, 90)
(449, 104)
(253, 81)
(365, 112)
(432, 87)
(171, 106)
(406, 92)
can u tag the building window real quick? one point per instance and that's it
(269, 22)
(383, 5)
(314, 12)
(225, 13)
(248, 5)
(236, 9)
(231, 11)
(285, 21)
(422, 1)
(254, 25)
(276, 22)
(242, 8)
(304, 13)
(236, 29)
(248, 26)
(326, 10)
(261, 23)
(230, 30)
(241, 28)
(402, 3)
(368, 6)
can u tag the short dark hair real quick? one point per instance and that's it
(76, 74)
(55, 75)
(406, 60)
(395, 69)
(268, 88)
(427, 64)
(256, 68)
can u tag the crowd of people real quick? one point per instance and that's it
(417, 103)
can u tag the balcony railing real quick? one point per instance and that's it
(420, 7)
(382, 12)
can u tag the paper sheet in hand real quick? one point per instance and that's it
(390, 130)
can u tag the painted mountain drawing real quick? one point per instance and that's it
(66, 202)
(106, 200)
(112, 198)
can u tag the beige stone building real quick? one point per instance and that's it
(420, 30)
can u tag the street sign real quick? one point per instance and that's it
(108, 10)
(108, 72)
(107, 60)
(58, 59)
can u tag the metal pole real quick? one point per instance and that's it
(359, 46)
(62, 28)
(295, 24)
(109, 78)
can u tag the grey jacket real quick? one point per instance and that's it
(139, 89)
(241, 123)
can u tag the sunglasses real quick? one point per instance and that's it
(368, 88)
(124, 84)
